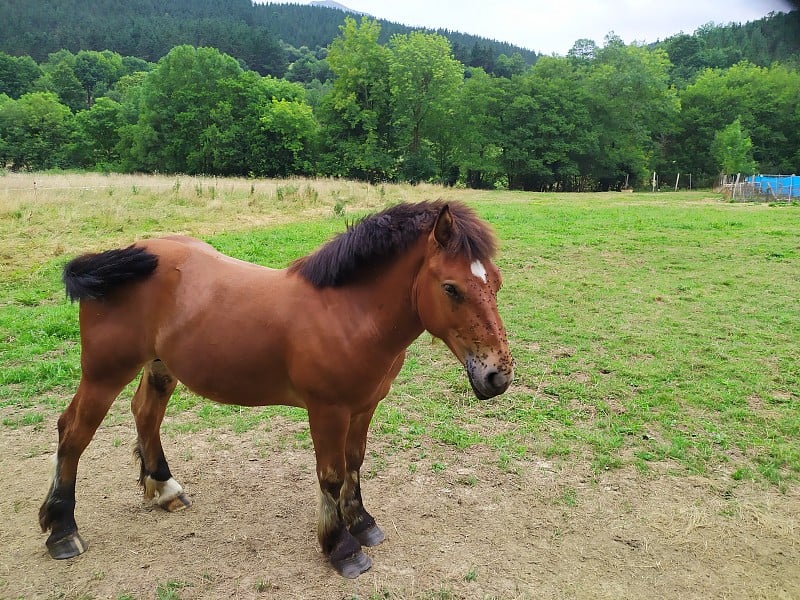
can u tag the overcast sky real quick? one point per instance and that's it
(552, 26)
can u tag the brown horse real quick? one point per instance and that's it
(328, 334)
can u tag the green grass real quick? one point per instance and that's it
(169, 590)
(658, 331)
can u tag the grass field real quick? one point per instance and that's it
(655, 330)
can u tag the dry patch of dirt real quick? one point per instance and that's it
(467, 530)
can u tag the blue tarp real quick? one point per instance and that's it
(786, 186)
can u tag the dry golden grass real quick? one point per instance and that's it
(48, 215)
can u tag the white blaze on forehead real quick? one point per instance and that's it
(479, 270)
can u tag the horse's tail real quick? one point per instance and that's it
(93, 276)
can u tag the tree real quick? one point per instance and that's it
(291, 129)
(424, 79)
(175, 109)
(767, 102)
(263, 127)
(306, 67)
(97, 72)
(61, 80)
(132, 64)
(199, 112)
(482, 56)
(546, 136)
(508, 66)
(686, 52)
(480, 100)
(98, 134)
(35, 131)
(17, 74)
(356, 114)
(583, 50)
(732, 150)
(633, 107)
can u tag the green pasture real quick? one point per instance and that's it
(653, 330)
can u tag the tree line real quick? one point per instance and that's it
(402, 110)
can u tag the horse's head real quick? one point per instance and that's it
(456, 293)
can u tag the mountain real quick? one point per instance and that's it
(774, 38)
(336, 6)
(316, 26)
(268, 37)
(256, 34)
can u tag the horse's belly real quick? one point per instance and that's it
(226, 384)
(231, 365)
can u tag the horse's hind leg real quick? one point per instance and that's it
(76, 427)
(359, 522)
(148, 407)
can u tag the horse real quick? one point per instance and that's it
(328, 333)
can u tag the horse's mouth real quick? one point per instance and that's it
(478, 393)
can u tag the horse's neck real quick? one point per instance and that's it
(386, 302)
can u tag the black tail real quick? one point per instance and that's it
(93, 276)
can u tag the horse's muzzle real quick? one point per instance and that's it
(488, 379)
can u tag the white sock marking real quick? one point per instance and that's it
(164, 491)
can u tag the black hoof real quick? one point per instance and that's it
(69, 546)
(353, 566)
(372, 536)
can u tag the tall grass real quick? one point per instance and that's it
(653, 330)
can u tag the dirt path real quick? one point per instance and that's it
(461, 530)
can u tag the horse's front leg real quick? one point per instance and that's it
(329, 428)
(359, 522)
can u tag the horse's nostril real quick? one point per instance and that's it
(497, 380)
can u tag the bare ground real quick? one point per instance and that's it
(456, 528)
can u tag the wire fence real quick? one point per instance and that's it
(777, 186)
(762, 188)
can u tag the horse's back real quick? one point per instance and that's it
(180, 249)
(222, 325)
(197, 299)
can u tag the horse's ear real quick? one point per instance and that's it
(443, 230)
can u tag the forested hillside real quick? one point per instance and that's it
(256, 35)
(775, 38)
(146, 29)
(399, 107)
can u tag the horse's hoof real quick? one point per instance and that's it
(353, 565)
(372, 536)
(69, 546)
(177, 503)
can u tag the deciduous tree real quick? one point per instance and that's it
(35, 130)
(732, 150)
(356, 114)
(424, 80)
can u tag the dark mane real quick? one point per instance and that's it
(377, 239)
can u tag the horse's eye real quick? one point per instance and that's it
(451, 290)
